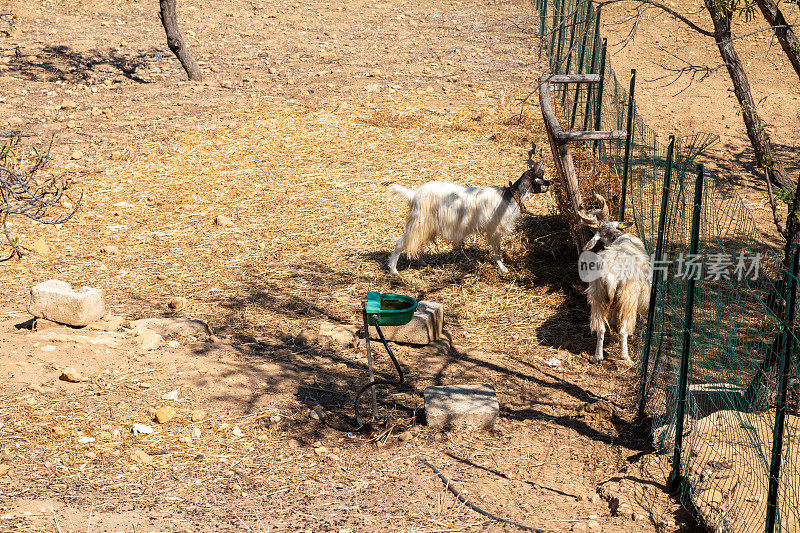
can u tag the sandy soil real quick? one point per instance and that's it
(308, 108)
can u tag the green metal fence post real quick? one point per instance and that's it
(675, 477)
(560, 48)
(651, 309)
(569, 50)
(581, 57)
(628, 141)
(552, 30)
(542, 16)
(783, 384)
(598, 102)
(592, 66)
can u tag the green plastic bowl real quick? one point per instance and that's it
(392, 309)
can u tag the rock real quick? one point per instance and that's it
(148, 339)
(639, 517)
(405, 436)
(59, 431)
(198, 415)
(186, 440)
(182, 327)
(116, 154)
(109, 322)
(140, 457)
(56, 300)
(171, 395)
(5, 470)
(76, 154)
(373, 88)
(553, 362)
(579, 526)
(39, 247)
(222, 220)
(593, 525)
(177, 303)
(71, 375)
(338, 334)
(272, 70)
(96, 111)
(109, 249)
(237, 432)
(164, 414)
(196, 433)
(316, 414)
(68, 104)
(83, 439)
(425, 326)
(321, 450)
(306, 338)
(452, 405)
(274, 419)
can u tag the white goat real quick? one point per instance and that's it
(453, 212)
(623, 289)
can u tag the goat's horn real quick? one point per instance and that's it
(604, 214)
(588, 219)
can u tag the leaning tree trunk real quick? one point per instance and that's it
(759, 138)
(783, 32)
(169, 19)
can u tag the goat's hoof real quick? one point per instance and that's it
(597, 359)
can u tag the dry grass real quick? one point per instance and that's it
(305, 189)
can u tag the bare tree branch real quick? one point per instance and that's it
(667, 10)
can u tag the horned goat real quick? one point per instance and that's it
(453, 212)
(622, 289)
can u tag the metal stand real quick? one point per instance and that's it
(372, 381)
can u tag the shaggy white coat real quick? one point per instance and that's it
(621, 292)
(453, 212)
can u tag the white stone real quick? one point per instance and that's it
(425, 326)
(456, 405)
(341, 334)
(56, 300)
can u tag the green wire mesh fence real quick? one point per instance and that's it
(717, 354)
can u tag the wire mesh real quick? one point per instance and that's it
(738, 327)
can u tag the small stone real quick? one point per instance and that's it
(140, 457)
(76, 154)
(83, 439)
(164, 414)
(405, 436)
(171, 395)
(553, 362)
(39, 247)
(116, 154)
(593, 525)
(71, 375)
(237, 432)
(59, 431)
(68, 104)
(96, 111)
(306, 338)
(317, 414)
(579, 526)
(272, 70)
(275, 419)
(5, 470)
(639, 517)
(109, 249)
(186, 440)
(149, 339)
(177, 303)
(321, 450)
(222, 220)
(373, 88)
(198, 415)
(141, 428)
(196, 433)
(293, 443)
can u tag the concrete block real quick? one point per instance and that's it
(707, 398)
(56, 300)
(425, 326)
(461, 405)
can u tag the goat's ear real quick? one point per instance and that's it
(589, 245)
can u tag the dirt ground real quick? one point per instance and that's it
(308, 109)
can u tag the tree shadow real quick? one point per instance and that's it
(60, 62)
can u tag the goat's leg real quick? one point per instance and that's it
(494, 241)
(598, 351)
(398, 249)
(624, 345)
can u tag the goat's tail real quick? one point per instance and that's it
(396, 190)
